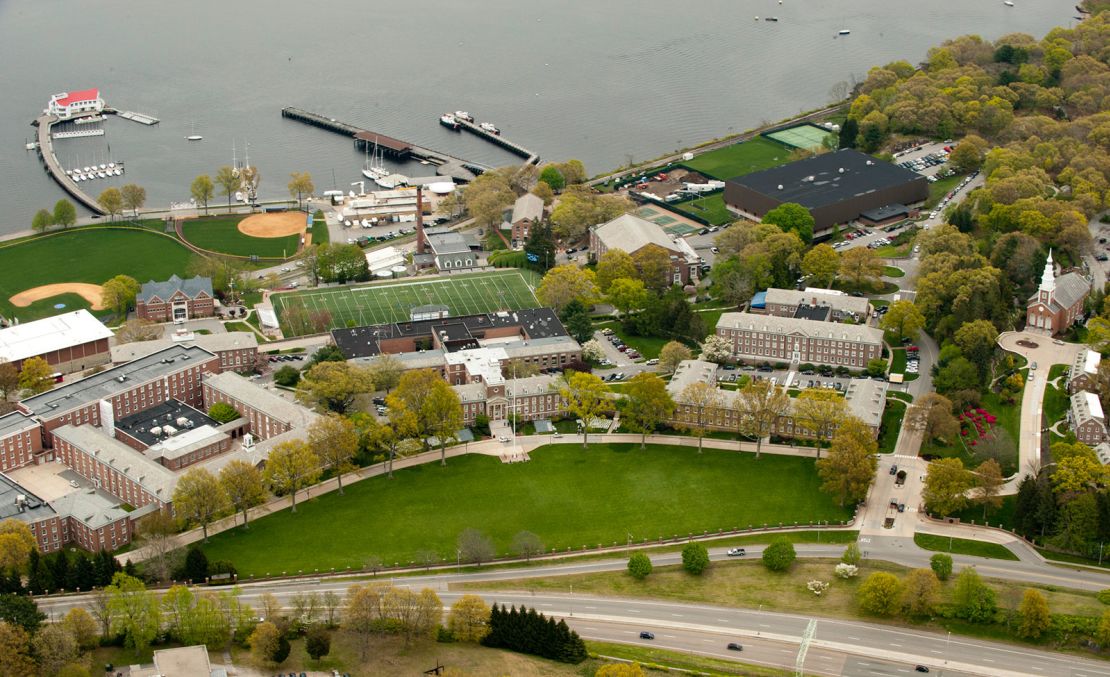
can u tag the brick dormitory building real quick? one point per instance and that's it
(795, 340)
(126, 434)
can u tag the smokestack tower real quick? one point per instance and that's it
(421, 240)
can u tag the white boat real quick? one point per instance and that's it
(103, 166)
(101, 175)
(844, 31)
(392, 181)
(111, 165)
(1007, 3)
(449, 121)
(86, 169)
(193, 136)
(463, 115)
(69, 172)
(489, 127)
(374, 168)
(118, 171)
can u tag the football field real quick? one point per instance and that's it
(392, 302)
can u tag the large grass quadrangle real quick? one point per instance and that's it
(382, 303)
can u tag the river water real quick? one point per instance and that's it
(604, 81)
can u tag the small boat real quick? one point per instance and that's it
(111, 165)
(1007, 3)
(101, 175)
(463, 115)
(103, 166)
(391, 181)
(118, 171)
(844, 31)
(86, 169)
(771, 18)
(489, 127)
(69, 172)
(194, 137)
(449, 121)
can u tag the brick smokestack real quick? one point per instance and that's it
(421, 240)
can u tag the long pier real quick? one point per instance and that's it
(446, 165)
(141, 118)
(498, 140)
(50, 161)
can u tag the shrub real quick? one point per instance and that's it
(851, 555)
(317, 643)
(695, 558)
(287, 376)
(941, 565)
(846, 571)
(880, 594)
(779, 555)
(639, 565)
(817, 587)
(1104, 596)
(223, 412)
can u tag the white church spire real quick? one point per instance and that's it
(1048, 278)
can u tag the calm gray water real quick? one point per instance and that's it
(601, 81)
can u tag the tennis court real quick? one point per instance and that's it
(381, 303)
(809, 137)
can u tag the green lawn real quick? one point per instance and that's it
(891, 271)
(319, 232)
(649, 346)
(712, 317)
(221, 234)
(738, 159)
(892, 423)
(464, 294)
(1001, 517)
(963, 546)
(898, 364)
(566, 495)
(1055, 405)
(939, 188)
(91, 255)
(711, 208)
(899, 395)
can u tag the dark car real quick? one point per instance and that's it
(921, 668)
(733, 646)
(893, 470)
(647, 635)
(901, 507)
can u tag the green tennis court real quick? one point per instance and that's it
(806, 136)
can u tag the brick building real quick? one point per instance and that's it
(69, 342)
(824, 304)
(113, 466)
(1086, 418)
(1083, 373)
(631, 234)
(768, 338)
(87, 519)
(1058, 302)
(176, 299)
(268, 415)
(527, 212)
(20, 440)
(497, 398)
(237, 350)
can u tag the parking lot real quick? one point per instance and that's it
(782, 377)
(928, 159)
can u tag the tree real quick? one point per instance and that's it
(202, 190)
(474, 546)
(847, 470)
(135, 612)
(851, 555)
(921, 592)
(119, 294)
(698, 403)
(264, 641)
(334, 385)
(243, 485)
(42, 220)
(627, 295)
(716, 349)
(759, 406)
(300, 184)
(932, 414)
(443, 410)
(16, 544)
(566, 283)
(434, 406)
(21, 611)
(227, 178)
(1033, 614)
(946, 486)
(487, 198)
(861, 267)
(903, 319)
(695, 558)
(575, 316)
(820, 412)
(792, 217)
(468, 619)
(849, 131)
(613, 265)
(779, 555)
(880, 594)
(968, 154)
(65, 214)
(974, 600)
(586, 398)
(83, 628)
(199, 498)
(134, 197)
(671, 354)
(989, 480)
(821, 264)
(9, 380)
(292, 466)
(334, 441)
(223, 412)
(527, 545)
(639, 566)
(196, 565)
(36, 376)
(551, 175)
(111, 201)
(544, 192)
(539, 248)
(579, 208)
(15, 656)
(976, 340)
(158, 535)
(646, 404)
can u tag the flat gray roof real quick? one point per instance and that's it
(14, 422)
(107, 383)
(152, 476)
(34, 508)
(235, 386)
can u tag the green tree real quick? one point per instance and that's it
(779, 555)
(698, 405)
(264, 642)
(627, 295)
(287, 376)
(880, 594)
(579, 208)
(291, 467)
(335, 385)
(202, 191)
(977, 341)
(119, 294)
(921, 592)
(575, 316)
(1102, 635)
(792, 217)
(134, 197)
(847, 470)
(15, 658)
(443, 411)
(474, 546)
(586, 398)
(42, 220)
(566, 283)
(861, 267)
(65, 214)
(851, 555)
(551, 175)
(334, 441)
(243, 484)
(1033, 614)
(941, 564)
(199, 498)
(759, 406)
(639, 566)
(300, 184)
(134, 611)
(653, 264)
(196, 565)
(36, 376)
(16, 544)
(975, 601)
(671, 355)
(317, 642)
(821, 264)
(820, 412)
(903, 319)
(932, 413)
(222, 412)
(946, 485)
(469, 619)
(646, 404)
(227, 178)
(527, 545)
(613, 265)
(989, 481)
(695, 558)
(540, 246)
(21, 611)
(487, 198)
(849, 131)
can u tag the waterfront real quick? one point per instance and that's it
(603, 82)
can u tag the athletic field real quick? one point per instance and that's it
(807, 136)
(391, 302)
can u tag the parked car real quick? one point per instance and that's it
(894, 470)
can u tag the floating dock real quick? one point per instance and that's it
(50, 161)
(141, 118)
(446, 165)
(530, 158)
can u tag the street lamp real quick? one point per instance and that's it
(458, 560)
(946, 641)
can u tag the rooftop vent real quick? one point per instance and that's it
(841, 170)
(780, 186)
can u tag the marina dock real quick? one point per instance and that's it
(50, 161)
(133, 116)
(530, 158)
(446, 165)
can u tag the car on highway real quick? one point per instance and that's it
(736, 552)
(921, 668)
(647, 635)
(733, 646)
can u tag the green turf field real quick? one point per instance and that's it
(568, 496)
(92, 255)
(742, 158)
(221, 234)
(807, 136)
(711, 208)
(376, 304)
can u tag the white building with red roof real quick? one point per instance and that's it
(68, 105)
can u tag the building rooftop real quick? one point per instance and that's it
(151, 475)
(886, 212)
(481, 362)
(540, 346)
(531, 385)
(528, 206)
(14, 422)
(232, 340)
(29, 339)
(66, 98)
(814, 313)
(838, 301)
(150, 426)
(192, 287)
(235, 386)
(866, 399)
(111, 381)
(29, 508)
(1086, 362)
(449, 243)
(92, 507)
(395, 145)
(1086, 407)
(827, 179)
(629, 233)
(797, 327)
(689, 372)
